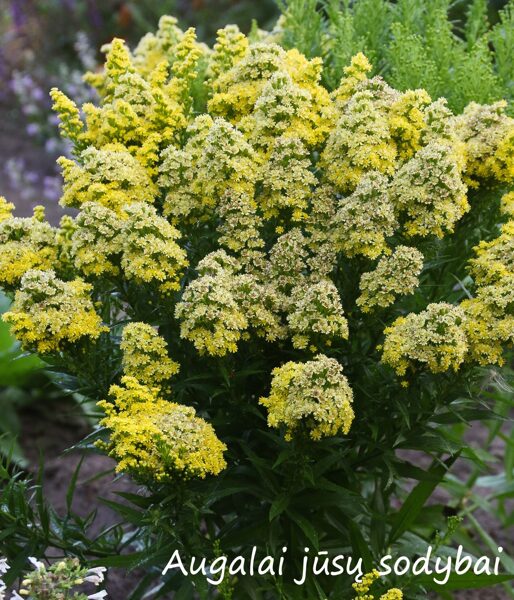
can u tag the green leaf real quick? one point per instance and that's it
(469, 581)
(278, 506)
(360, 546)
(70, 493)
(417, 498)
(305, 527)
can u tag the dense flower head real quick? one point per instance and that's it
(316, 315)
(322, 235)
(48, 313)
(261, 304)
(177, 171)
(97, 239)
(435, 338)
(154, 48)
(286, 108)
(366, 218)
(287, 259)
(237, 90)
(360, 142)
(395, 275)
(210, 316)
(231, 46)
(240, 224)
(314, 395)
(110, 176)
(26, 243)
(287, 179)
(407, 122)
(490, 313)
(145, 355)
(354, 73)
(150, 250)
(227, 162)
(490, 321)
(429, 193)
(158, 440)
(495, 259)
(488, 135)
(440, 126)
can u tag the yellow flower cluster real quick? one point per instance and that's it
(488, 135)
(6, 209)
(230, 47)
(110, 176)
(210, 315)
(26, 243)
(495, 259)
(239, 226)
(96, 240)
(314, 395)
(365, 584)
(270, 92)
(360, 142)
(435, 338)
(394, 275)
(428, 191)
(142, 108)
(490, 314)
(217, 158)
(138, 240)
(366, 218)
(316, 314)
(48, 314)
(145, 355)
(150, 252)
(157, 440)
(287, 179)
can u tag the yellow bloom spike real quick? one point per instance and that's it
(366, 218)
(360, 142)
(434, 339)
(145, 355)
(407, 122)
(71, 125)
(150, 251)
(25, 243)
(111, 177)
(356, 72)
(488, 135)
(429, 192)
(49, 314)
(6, 209)
(230, 47)
(394, 275)
(155, 440)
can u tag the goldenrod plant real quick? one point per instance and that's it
(270, 289)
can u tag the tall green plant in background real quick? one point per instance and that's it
(449, 49)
